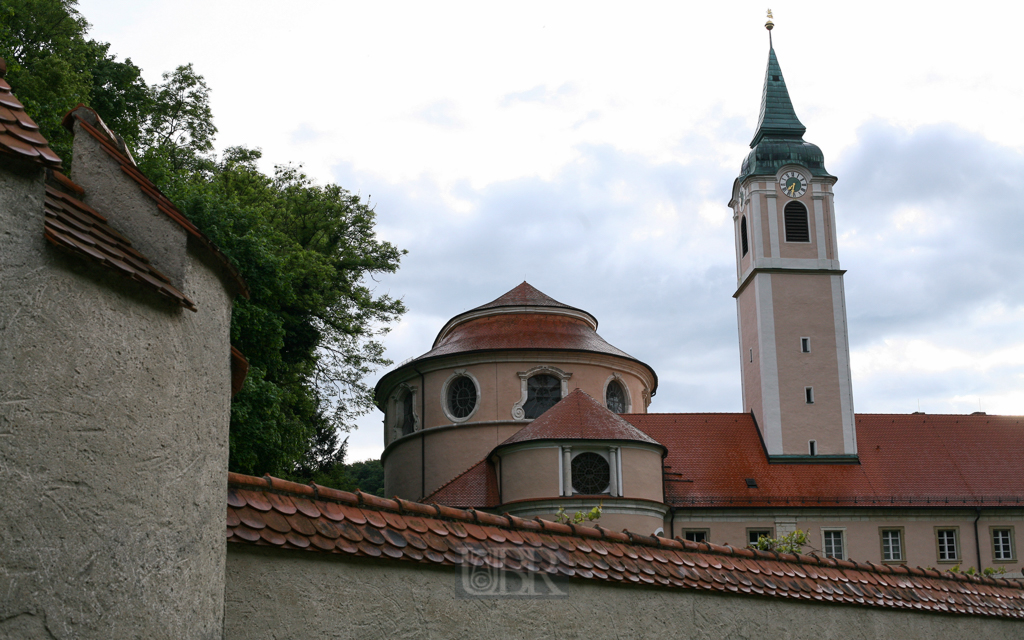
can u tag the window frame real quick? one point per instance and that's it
(455, 375)
(903, 544)
(518, 412)
(808, 395)
(705, 532)
(617, 378)
(805, 341)
(842, 541)
(812, 447)
(956, 544)
(744, 238)
(769, 530)
(1013, 542)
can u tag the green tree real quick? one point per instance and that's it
(308, 252)
(52, 67)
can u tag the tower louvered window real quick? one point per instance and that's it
(797, 229)
(743, 234)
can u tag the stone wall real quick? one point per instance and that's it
(294, 594)
(114, 409)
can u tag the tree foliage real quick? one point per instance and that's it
(308, 252)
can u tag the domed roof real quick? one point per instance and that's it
(524, 319)
(577, 416)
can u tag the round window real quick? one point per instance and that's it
(590, 473)
(461, 397)
(615, 397)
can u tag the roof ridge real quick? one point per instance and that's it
(400, 506)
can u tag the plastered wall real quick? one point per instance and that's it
(289, 594)
(114, 409)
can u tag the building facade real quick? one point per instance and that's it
(520, 407)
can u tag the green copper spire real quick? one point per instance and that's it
(777, 118)
(780, 134)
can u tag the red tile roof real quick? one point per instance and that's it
(905, 461)
(74, 226)
(19, 134)
(476, 487)
(524, 319)
(526, 295)
(271, 512)
(579, 417)
(94, 126)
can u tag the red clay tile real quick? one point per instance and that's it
(372, 534)
(350, 531)
(325, 528)
(329, 509)
(245, 533)
(276, 521)
(235, 500)
(326, 493)
(306, 507)
(368, 549)
(394, 520)
(376, 502)
(20, 135)
(457, 529)
(353, 515)
(297, 540)
(281, 504)
(414, 539)
(301, 524)
(272, 537)
(256, 500)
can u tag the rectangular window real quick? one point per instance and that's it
(892, 545)
(753, 535)
(805, 345)
(809, 395)
(832, 543)
(947, 543)
(812, 447)
(1002, 545)
(696, 535)
(751, 355)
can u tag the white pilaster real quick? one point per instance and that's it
(771, 411)
(566, 471)
(757, 237)
(843, 359)
(613, 475)
(773, 224)
(819, 224)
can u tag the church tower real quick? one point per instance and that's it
(790, 301)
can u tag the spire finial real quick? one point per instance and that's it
(769, 25)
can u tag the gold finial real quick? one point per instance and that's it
(768, 25)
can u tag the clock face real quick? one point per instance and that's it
(793, 184)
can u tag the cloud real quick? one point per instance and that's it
(930, 234)
(540, 94)
(305, 133)
(442, 113)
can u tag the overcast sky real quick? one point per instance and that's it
(590, 149)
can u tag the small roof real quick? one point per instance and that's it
(577, 416)
(475, 487)
(19, 134)
(76, 227)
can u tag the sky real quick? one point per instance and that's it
(589, 148)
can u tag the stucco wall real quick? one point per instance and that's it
(289, 594)
(113, 423)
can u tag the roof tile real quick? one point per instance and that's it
(19, 134)
(579, 417)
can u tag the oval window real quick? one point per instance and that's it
(590, 473)
(615, 397)
(461, 397)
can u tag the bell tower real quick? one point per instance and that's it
(790, 301)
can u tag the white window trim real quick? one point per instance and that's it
(625, 389)
(459, 373)
(1013, 543)
(396, 410)
(518, 413)
(956, 544)
(802, 344)
(842, 538)
(612, 455)
(903, 545)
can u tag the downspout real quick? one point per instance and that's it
(977, 543)
(672, 526)
(423, 440)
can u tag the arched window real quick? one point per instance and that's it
(615, 397)
(797, 227)
(461, 397)
(590, 473)
(542, 392)
(743, 234)
(408, 417)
